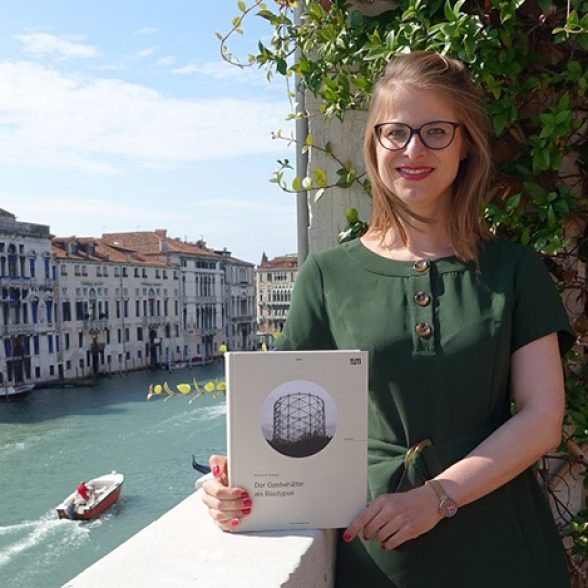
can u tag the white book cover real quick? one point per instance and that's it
(297, 436)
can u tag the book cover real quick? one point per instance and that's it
(297, 436)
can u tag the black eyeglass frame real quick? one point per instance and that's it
(414, 132)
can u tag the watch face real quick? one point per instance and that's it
(447, 507)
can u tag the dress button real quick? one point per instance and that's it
(422, 299)
(424, 330)
(421, 265)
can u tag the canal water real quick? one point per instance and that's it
(58, 437)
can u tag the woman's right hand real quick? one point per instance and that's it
(227, 506)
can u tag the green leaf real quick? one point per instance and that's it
(320, 177)
(544, 4)
(551, 220)
(534, 190)
(296, 183)
(525, 236)
(309, 139)
(513, 202)
(448, 12)
(241, 5)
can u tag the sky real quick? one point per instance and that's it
(122, 116)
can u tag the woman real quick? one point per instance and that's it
(458, 325)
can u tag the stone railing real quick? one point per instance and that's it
(191, 551)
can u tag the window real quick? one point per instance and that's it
(37, 372)
(136, 272)
(66, 341)
(144, 273)
(64, 270)
(81, 363)
(137, 308)
(116, 271)
(51, 370)
(80, 339)
(68, 365)
(36, 344)
(124, 272)
(127, 335)
(119, 335)
(139, 333)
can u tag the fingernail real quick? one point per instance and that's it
(244, 494)
(235, 523)
(246, 511)
(346, 537)
(216, 471)
(247, 503)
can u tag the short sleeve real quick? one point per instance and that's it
(538, 309)
(307, 325)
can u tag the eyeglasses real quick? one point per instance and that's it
(437, 134)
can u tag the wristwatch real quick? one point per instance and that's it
(447, 506)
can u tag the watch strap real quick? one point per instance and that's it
(437, 488)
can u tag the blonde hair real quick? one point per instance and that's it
(449, 77)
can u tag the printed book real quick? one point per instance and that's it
(297, 436)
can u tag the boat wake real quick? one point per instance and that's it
(47, 530)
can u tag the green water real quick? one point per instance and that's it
(58, 437)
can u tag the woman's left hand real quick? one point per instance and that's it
(393, 519)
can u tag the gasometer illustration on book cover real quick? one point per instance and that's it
(297, 436)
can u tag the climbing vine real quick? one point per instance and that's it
(531, 59)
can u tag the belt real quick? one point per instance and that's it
(394, 468)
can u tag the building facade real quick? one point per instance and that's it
(239, 296)
(275, 280)
(117, 310)
(74, 308)
(28, 325)
(211, 283)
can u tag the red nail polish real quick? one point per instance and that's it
(246, 511)
(235, 522)
(247, 503)
(216, 471)
(244, 494)
(346, 537)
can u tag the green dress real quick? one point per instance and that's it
(440, 334)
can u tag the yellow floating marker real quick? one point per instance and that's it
(184, 388)
(157, 389)
(209, 387)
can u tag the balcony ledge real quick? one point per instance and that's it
(191, 551)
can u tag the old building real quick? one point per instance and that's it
(275, 280)
(210, 281)
(117, 310)
(30, 342)
(239, 302)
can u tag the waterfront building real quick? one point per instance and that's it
(30, 341)
(210, 281)
(239, 302)
(275, 280)
(117, 310)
